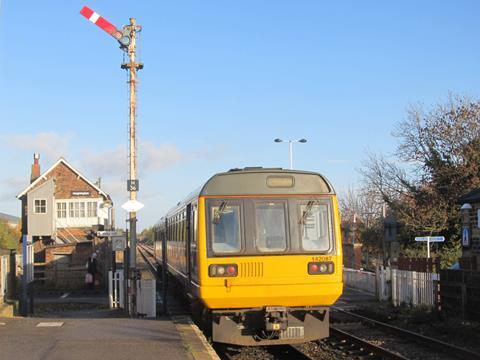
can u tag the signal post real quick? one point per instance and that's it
(127, 37)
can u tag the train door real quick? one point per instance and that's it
(192, 242)
(189, 242)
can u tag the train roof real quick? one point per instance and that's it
(259, 180)
(249, 181)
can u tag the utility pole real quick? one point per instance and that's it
(127, 38)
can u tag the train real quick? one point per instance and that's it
(258, 252)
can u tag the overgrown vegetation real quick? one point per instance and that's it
(9, 237)
(146, 235)
(437, 161)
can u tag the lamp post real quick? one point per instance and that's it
(290, 147)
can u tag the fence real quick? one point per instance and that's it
(4, 271)
(414, 288)
(359, 279)
(399, 286)
(460, 293)
(116, 287)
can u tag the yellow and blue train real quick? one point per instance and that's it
(259, 253)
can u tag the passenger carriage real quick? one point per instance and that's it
(259, 252)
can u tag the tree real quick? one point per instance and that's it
(146, 235)
(9, 237)
(361, 211)
(436, 162)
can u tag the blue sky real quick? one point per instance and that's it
(222, 79)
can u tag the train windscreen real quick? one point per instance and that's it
(253, 226)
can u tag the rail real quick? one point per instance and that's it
(366, 348)
(143, 249)
(446, 348)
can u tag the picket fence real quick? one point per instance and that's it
(414, 288)
(398, 286)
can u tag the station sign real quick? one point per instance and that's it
(80, 193)
(466, 237)
(119, 243)
(430, 238)
(108, 233)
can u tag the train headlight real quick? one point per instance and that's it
(223, 270)
(320, 268)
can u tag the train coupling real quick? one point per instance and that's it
(276, 318)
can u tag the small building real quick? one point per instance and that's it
(62, 211)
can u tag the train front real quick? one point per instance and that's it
(273, 259)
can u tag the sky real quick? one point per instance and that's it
(222, 80)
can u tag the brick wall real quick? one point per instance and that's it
(73, 277)
(66, 181)
(79, 253)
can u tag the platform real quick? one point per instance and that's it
(82, 327)
(106, 338)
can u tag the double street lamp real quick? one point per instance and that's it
(290, 146)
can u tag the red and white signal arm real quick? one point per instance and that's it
(101, 22)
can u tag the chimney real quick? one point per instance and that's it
(35, 168)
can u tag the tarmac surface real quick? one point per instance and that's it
(87, 329)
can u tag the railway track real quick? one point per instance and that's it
(149, 256)
(343, 342)
(434, 346)
(357, 348)
(281, 352)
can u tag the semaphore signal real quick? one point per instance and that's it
(127, 39)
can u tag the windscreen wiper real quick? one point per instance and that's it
(306, 212)
(218, 214)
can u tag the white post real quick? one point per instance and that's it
(393, 284)
(428, 247)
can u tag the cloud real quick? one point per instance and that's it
(50, 145)
(114, 163)
(158, 158)
(111, 163)
(11, 187)
(14, 182)
(117, 189)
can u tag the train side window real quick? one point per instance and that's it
(270, 226)
(177, 228)
(315, 226)
(225, 228)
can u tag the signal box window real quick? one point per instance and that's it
(61, 210)
(270, 229)
(92, 209)
(40, 206)
(315, 226)
(225, 228)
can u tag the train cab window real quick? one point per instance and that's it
(225, 228)
(270, 229)
(315, 226)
